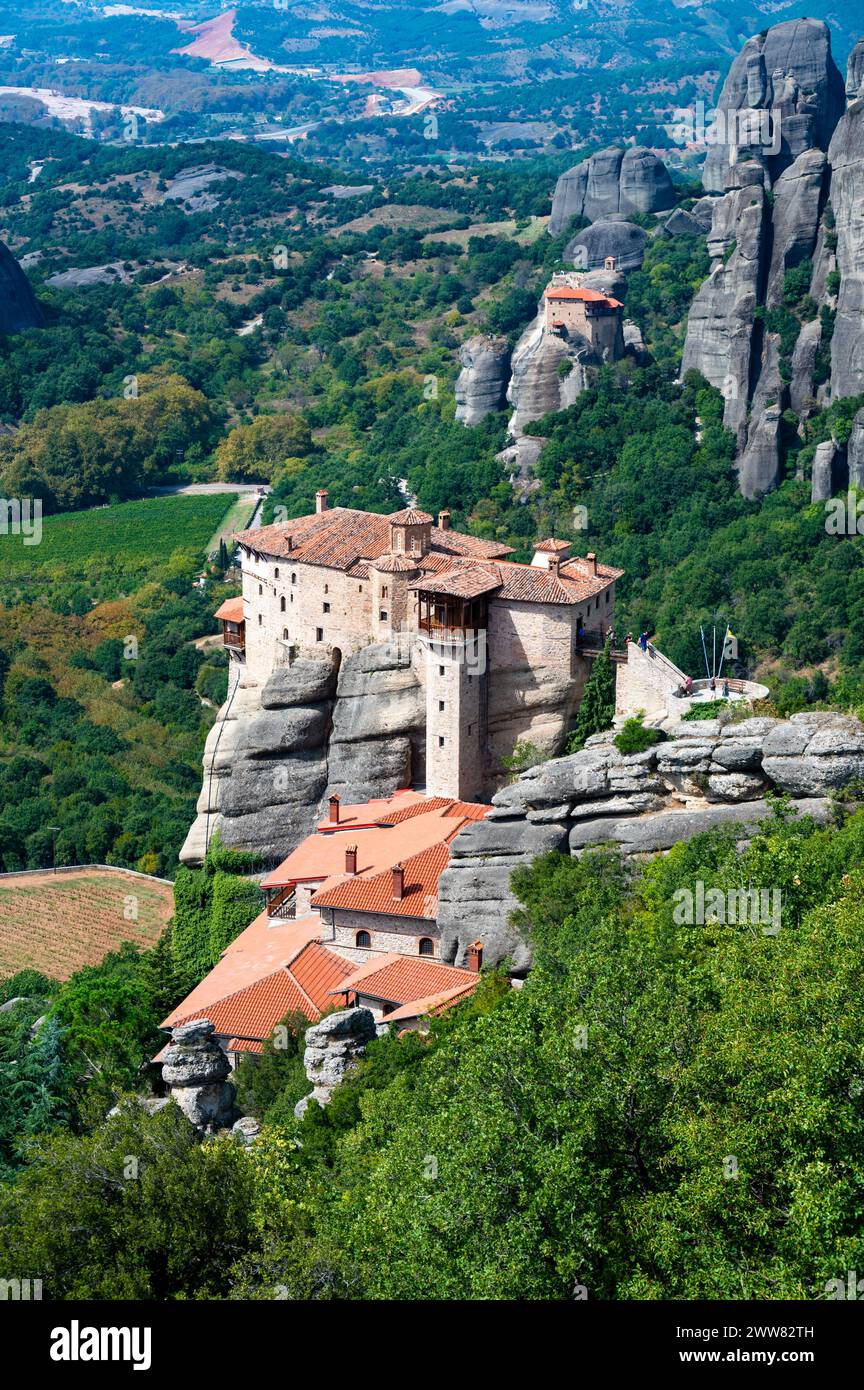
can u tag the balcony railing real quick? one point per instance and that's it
(283, 904)
(234, 639)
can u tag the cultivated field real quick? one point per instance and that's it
(133, 535)
(57, 923)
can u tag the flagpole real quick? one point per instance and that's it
(705, 650)
(713, 652)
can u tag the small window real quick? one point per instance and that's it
(260, 588)
(276, 571)
(426, 946)
(440, 670)
(260, 620)
(326, 608)
(440, 740)
(319, 634)
(470, 728)
(285, 639)
(294, 578)
(384, 591)
(326, 588)
(282, 604)
(360, 589)
(382, 615)
(441, 705)
(363, 940)
(292, 598)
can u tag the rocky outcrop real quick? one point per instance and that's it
(759, 464)
(802, 386)
(693, 221)
(265, 763)
(855, 73)
(825, 476)
(196, 1070)
(855, 451)
(549, 373)
(609, 237)
(798, 196)
(613, 181)
(378, 741)
(719, 341)
(333, 1048)
(846, 154)
(706, 775)
(787, 71)
(481, 386)
(18, 306)
(313, 728)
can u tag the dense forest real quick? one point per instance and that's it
(561, 1141)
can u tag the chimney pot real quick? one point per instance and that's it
(351, 859)
(321, 500)
(475, 956)
(398, 881)
(592, 561)
(444, 521)
(334, 810)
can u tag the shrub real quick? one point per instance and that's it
(635, 737)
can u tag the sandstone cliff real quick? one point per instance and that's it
(706, 775)
(18, 306)
(613, 181)
(846, 154)
(481, 386)
(790, 72)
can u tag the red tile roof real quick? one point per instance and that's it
(400, 979)
(341, 537)
(420, 887)
(410, 517)
(555, 292)
(305, 986)
(231, 611)
(383, 837)
(551, 546)
(433, 1003)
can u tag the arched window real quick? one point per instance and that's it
(282, 604)
(427, 946)
(363, 940)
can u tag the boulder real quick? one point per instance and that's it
(612, 181)
(333, 1048)
(623, 240)
(196, 1070)
(481, 386)
(788, 71)
(18, 307)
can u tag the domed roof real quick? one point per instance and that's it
(395, 564)
(410, 517)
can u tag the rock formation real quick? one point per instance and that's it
(798, 199)
(196, 1069)
(18, 306)
(706, 775)
(846, 154)
(608, 237)
(613, 181)
(719, 341)
(481, 386)
(789, 72)
(855, 73)
(549, 373)
(855, 451)
(333, 1048)
(825, 476)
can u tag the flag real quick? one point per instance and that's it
(730, 646)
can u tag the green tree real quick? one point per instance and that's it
(597, 709)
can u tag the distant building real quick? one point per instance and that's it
(595, 318)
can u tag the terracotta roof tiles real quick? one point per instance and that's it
(398, 979)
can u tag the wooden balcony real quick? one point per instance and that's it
(234, 635)
(282, 903)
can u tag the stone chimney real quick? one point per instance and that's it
(321, 500)
(398, 881)
(592, 561)
(554, 564)
(444, 521)
(475, 956)
(334, 809)
(351, 859)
